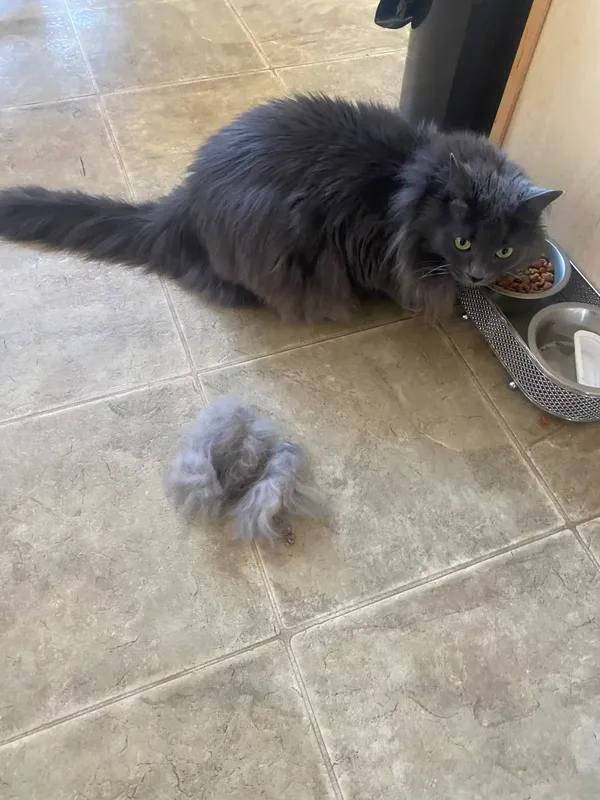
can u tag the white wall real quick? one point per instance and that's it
(555, 131)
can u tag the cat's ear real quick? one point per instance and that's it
(538, 200)
(459, 176)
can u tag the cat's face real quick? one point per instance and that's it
(488, 225)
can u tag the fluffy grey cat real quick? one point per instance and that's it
(304, 205)
(234, 463)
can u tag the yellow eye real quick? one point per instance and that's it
(504, 252)
(462, 244)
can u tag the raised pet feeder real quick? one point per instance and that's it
(543, 374)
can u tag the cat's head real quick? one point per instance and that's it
(486, 220)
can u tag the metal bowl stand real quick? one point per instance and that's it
(506, 334)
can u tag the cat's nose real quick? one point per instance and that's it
(477, 274)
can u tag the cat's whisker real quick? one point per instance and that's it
(432, 275)
(437, 268)
(441, 269)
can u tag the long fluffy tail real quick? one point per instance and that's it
(96, 227)
(157, 236)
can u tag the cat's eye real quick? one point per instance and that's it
(462, 244)
(504, 252)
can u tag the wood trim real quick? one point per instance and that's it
(516, 79)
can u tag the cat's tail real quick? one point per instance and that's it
(158, 236)
(98, 228)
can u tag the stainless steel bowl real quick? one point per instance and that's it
(562, 272)
(550, 338)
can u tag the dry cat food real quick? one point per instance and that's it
(539, 277)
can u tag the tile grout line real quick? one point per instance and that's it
(195, 373)
(286, 633)
(569, 523)
(325, 755)
(49, 103)
(249, 35)
(117, 150)
(127, 90)
(268, 588)
(190, 81)
(508, 430)
(339, 59)
(303, 346)
(255, 43)
(97, 94)
(87, 401)
(121, 159)
(122, 165)
(285, 638)
(419, 583)
(184, 342)
(280, 81)
(589, 518)
(132, 195)
(157, 684)
(585, 546)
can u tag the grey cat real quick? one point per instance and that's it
(305, 205)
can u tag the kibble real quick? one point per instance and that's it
(539, 277)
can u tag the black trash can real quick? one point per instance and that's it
(460, 54)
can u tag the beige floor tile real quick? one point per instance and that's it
(419, 474)
(154, 42)
(310, 30)
(159, 131)
(78, 5)
(219, 336)
(590, 532)
(101, 588)
(40, 60)
(483, 686)
(234, 731)
(71, 330)
(11, 10)
(566, 454)
(369, 78)
(59, 146)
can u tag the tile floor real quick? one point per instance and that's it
(439, 638)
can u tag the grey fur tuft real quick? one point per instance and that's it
(235, 464)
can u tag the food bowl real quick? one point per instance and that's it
(513, 301)
(550, 338)
(527, 370)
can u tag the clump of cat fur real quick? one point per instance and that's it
(235, 464)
